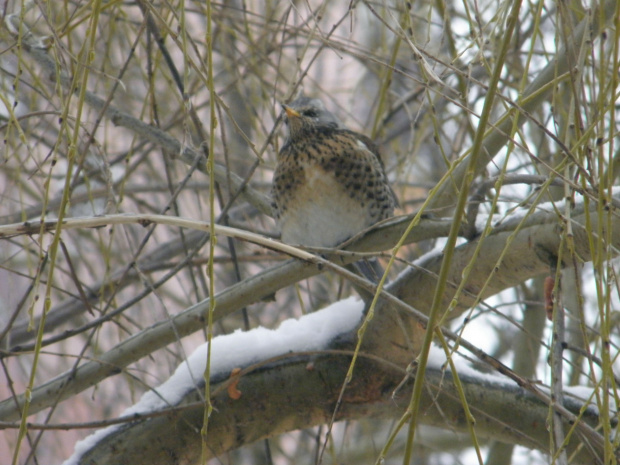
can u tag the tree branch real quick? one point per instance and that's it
(302, 392)
(532, 246)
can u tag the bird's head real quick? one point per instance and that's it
(305, 113)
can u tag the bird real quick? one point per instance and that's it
(329, 182)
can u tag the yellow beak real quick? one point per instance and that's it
(290, 113)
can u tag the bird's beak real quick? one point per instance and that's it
(290, 113)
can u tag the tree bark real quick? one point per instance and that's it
(302, 392)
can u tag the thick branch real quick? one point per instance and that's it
(530, 252)
(513, 253)
(251, 290)
(285, 394)
(302, 392)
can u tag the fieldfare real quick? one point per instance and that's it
(329, 183)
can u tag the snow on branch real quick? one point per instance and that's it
(312, 332)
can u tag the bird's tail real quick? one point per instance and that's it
(370, 268)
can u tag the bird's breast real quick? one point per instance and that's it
(327, 188)
(321, 212)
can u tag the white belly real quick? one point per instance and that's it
(322, 215)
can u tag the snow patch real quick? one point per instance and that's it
(311, 332)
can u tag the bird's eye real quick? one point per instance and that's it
(310, 113)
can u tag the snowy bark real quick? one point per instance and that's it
(301, 391)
